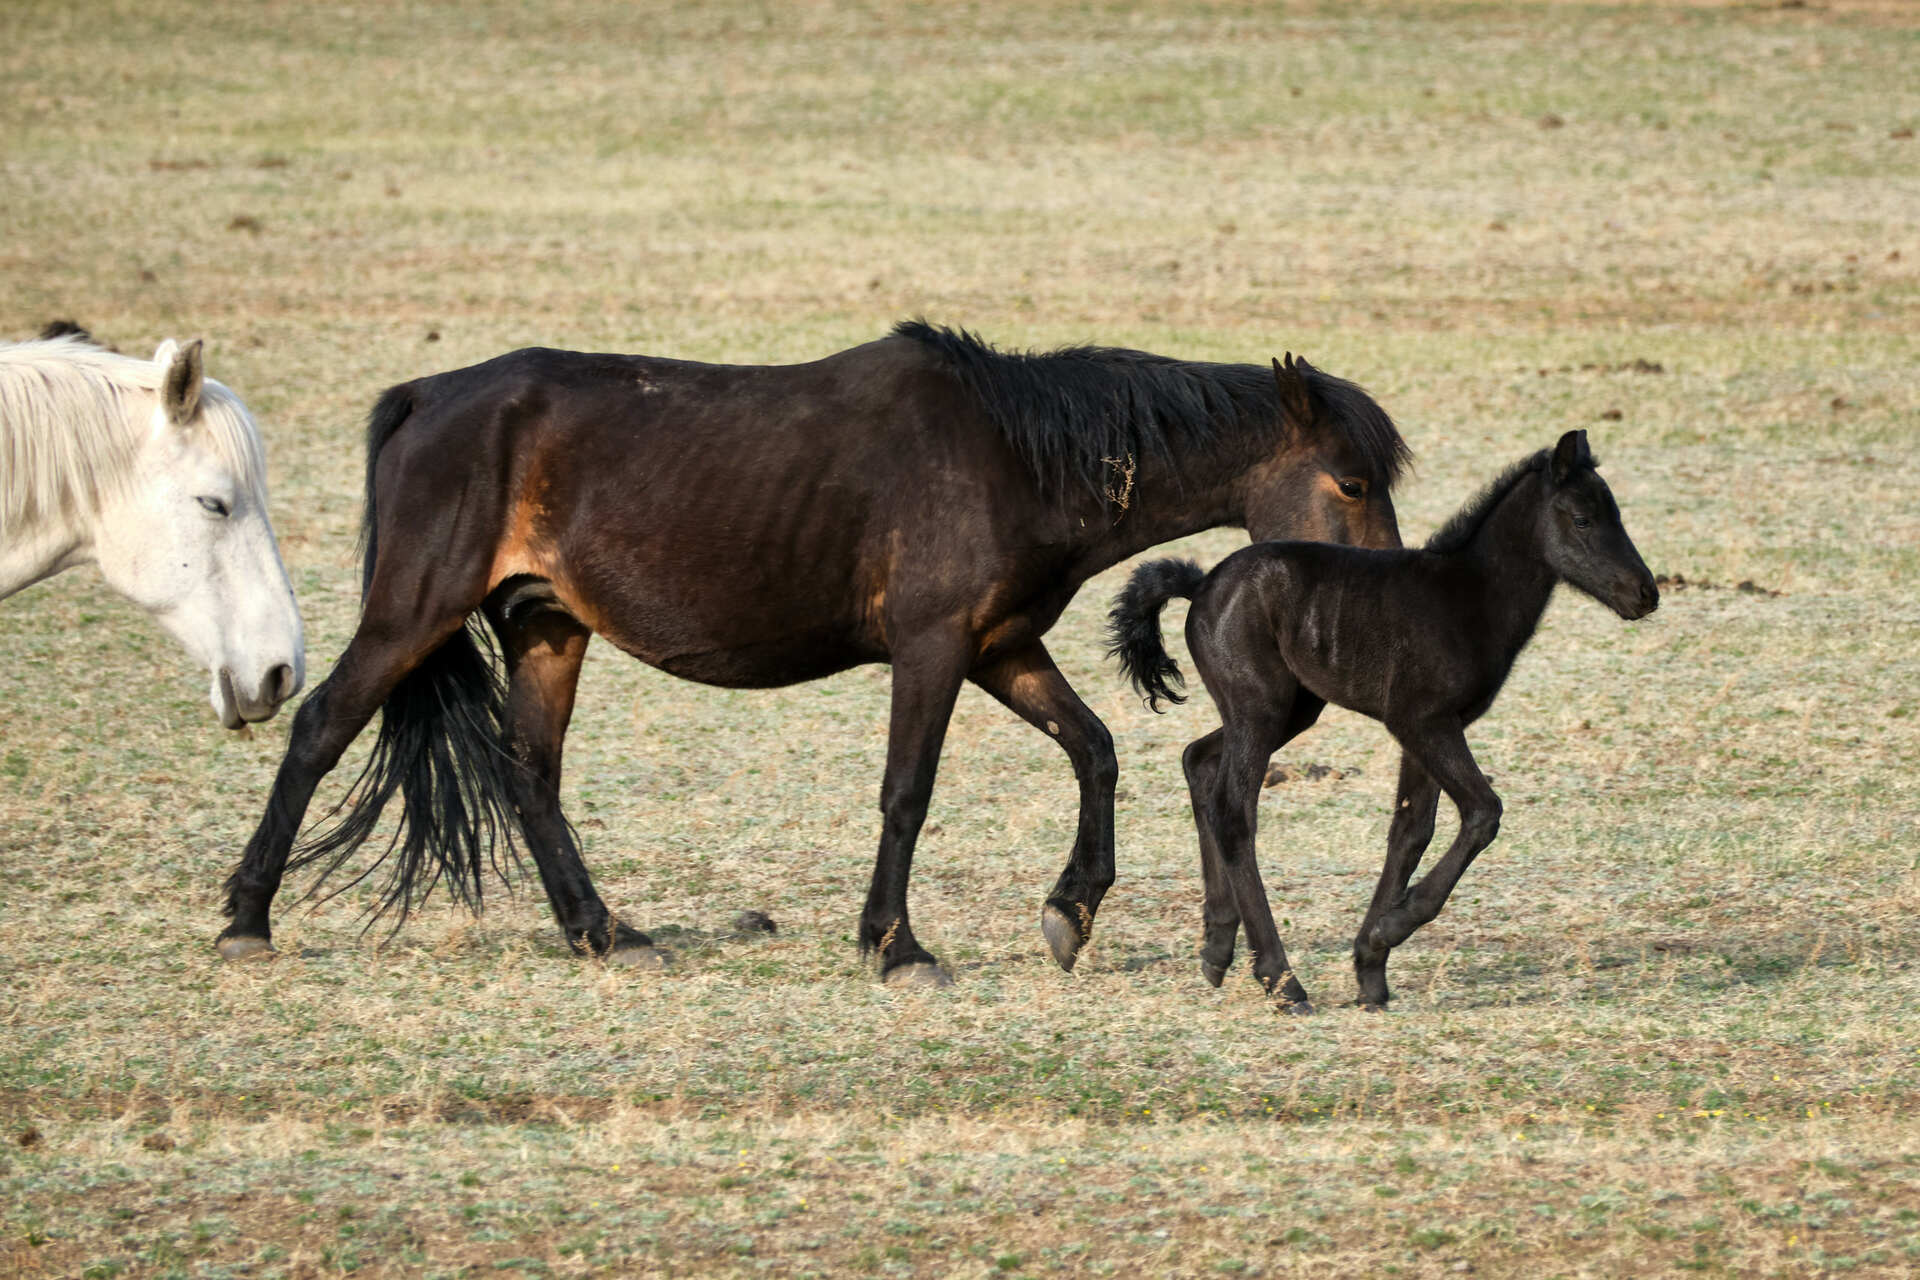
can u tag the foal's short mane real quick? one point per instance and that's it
(73, 416)
(1459, 531)
(1068, 412)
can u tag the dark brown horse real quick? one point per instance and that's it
(923, 500)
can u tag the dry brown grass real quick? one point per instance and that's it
(1668, 1023)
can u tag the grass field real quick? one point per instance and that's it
(1669, 1022)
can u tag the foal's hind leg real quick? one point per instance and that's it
(543, 653)
(1407, 839)
(379, 656)
(1441, 749)
(1028, 683)
(1220, 918)
(1250, 737)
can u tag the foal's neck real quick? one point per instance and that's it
(1507, 556)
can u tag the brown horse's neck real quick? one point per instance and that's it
(1152, 503)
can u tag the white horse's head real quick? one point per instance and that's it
(187, 538)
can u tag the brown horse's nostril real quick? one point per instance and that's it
(279, 684)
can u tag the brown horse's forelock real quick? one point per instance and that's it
(1069, 412)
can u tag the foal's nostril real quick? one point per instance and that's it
(279, 684)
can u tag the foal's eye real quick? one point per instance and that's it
(1581, 522)
(213, 506)
(1352, 489)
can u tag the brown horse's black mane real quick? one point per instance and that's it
(1458, 532)
(1068, 412)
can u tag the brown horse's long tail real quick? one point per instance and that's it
(440, 748)
(1134, 627)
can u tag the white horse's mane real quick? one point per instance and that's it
(74, 415)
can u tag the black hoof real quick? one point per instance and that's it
(1296, 1008)
(1372, 1006)
(1065, 935)
(1215, 974)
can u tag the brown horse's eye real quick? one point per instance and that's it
(1581, 522)
(1352, 489)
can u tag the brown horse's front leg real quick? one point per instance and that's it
(1029, 684)
(927, 673)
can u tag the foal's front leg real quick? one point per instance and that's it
(1441, 749)
(1407, 840)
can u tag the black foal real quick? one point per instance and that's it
(1419, 640)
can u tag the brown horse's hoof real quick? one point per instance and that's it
(244, 947)
(1214, 974)
(640, 957)
(922, 975)
(1296, 1008)
(1064, 937)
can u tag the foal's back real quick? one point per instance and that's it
(1349, 624)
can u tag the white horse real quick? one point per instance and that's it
(155, 473)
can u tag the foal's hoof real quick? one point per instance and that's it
(1215, 974)
(1372, 1006)
(242, 946)
(920, 973)
(638, 957)
(1065, 936)
(1296, 1008)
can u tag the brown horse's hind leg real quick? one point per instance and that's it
(543, 653)
(1030, 685)
(376, 660)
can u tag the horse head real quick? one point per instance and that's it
(1585, 542)
(188, 539)
(1331, 480)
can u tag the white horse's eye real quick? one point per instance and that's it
(215, 507)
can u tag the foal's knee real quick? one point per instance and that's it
(1482, 823)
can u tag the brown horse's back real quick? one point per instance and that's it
(738, 526)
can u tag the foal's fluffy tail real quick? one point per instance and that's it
(440, 748)
(1134, 626)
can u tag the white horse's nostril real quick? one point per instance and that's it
(279, 684)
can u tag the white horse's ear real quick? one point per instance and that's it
(180, 391)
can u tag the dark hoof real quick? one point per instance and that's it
(1215, 974)
(1296, 1008)
(920, 973)
(1372, 1006)
(638, 957)
(1064, 936)
(242, 946)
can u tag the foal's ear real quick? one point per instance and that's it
(1570, 455)
(180, 390)
(1296, 400)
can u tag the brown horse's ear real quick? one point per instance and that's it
(1570, 455)
(180, 391)
(1296, 400)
